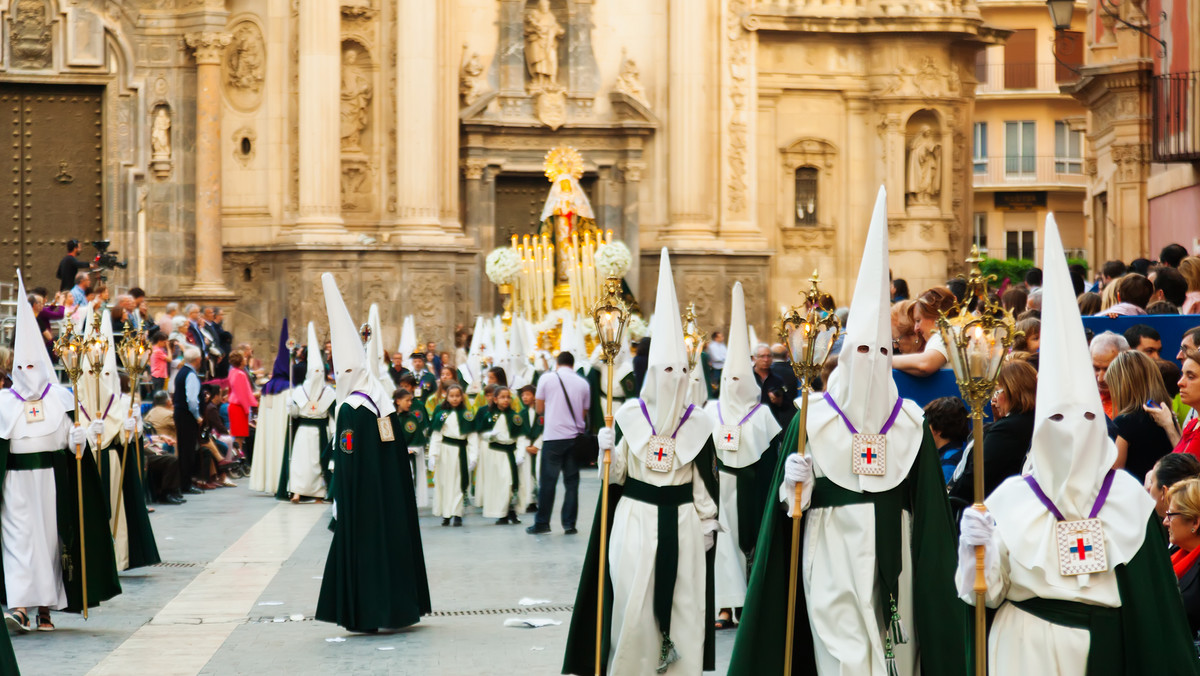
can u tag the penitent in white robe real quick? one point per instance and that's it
(304, 467)
(29, 525)
(838, 562)
(270, 438)
(635, 637)
(493, 479)
(1021, 564)
(448, 496)
(111, 448)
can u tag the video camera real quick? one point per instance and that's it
(105, 259)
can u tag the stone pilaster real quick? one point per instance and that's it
(417, 103)
(208, 47)
(691, 171)
(320, 205)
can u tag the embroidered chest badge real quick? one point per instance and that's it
(346, 442)
(1080, 547)
(34, 412)
(517, 420)
(728, 437)
(869, 454)
(385, 429)
(410, 426)
(660, 453)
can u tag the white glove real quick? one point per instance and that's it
(77, 437)
(94, 430)
(489, 435)
(130, 424)
(293, 410)
(520, 457)
(976, 528)
(797, 469)
(606, 438)
(710, 528)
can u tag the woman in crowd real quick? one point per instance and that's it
(241, 400)
(905, 339)
(1089, 303)
(1014, 300)
(1190, 269)
(1135, 384)
(924, 314)
(1183, 521)
(1168, 471)
(1006, 441)
(899, 290)
(1189, 395)
(1031, 329)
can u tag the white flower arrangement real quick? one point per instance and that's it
(613, 259)
(503, 266)
(637, 328)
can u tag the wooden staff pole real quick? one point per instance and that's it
(608, 421)
(794, 567)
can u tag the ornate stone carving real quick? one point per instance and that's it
(30, 34)
(809, 152)
(472, 82)
(356, 99)
(1089, 166)
(738, 127)
(629, 81)
(807, 239)
(472, 168)
(428, 294)
(208, 46)
(542, 32)
(244, 145)
(632, 171)
(924, 181)
(357, 188)
(245, 68)
(160, 142)
(551, 107)
(927, 81)
(1131, 161)
(85, 38)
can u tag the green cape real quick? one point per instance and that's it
(580, 656)
(941, 622)
(375, 574)
(143, 550)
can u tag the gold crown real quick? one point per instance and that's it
(562, 161)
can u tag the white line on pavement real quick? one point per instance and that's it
(188, 631)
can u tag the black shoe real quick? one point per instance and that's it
(570, 531)
(502, 521)
(537, 530)
(512, 517)
(446, 521)
(192, 490)
(173, 500)
(532, 509)
(458, 522)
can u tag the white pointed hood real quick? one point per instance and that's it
(1070, 453)
(519, 369)
(103, 393)
(351, 373)
(375, 357)
(665, 387)
(752, 340)
(862, 383)
(472, 370)
(32, 374)
(499, 345)
(314, 375)
(740, 392)
(408, 341)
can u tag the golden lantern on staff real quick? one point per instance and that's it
(611, 314)
(809, 332)
(71, 347)
(134, 353)
(978, 334)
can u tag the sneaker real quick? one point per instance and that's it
(571, 531)
(537, 530)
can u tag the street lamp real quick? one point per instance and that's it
(610, 314)
(809, 332)
(978, 334)
(1061, 12)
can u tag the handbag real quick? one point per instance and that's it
(587, 447)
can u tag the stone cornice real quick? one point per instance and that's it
(960, 25)
(208, 45)
(1095, 81)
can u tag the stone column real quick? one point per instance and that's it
(691, 134)
(631, 177)
(320, 208)
(208, 47)
(417, 103)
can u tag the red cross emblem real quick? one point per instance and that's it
(34, 410)
(869, 454)
(1081, 549)
(348, 441)
(729, 437)
(660, 453)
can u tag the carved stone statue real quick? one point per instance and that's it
(160, 135)
(356, 97)
(924, 168)
(30, 33)
(542, 32)
(246, 58)
(471, 80)
(629, 82)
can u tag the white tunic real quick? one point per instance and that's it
(29, 526)
(110, 454)
(635, 637)
(420, 479)
(304, 466)
(493, 481)
(270, 437)
(448, 496)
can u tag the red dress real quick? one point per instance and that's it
(241, 400)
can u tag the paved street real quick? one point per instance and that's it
(238, 587)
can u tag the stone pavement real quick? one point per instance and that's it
(238, 588)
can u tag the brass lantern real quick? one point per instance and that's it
(809, 333)
(69, 348)
(611, 314)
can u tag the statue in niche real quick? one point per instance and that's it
(246, 58)
(471, 80)
(629, 82)
(30, 34)
(160, 134)
(924, 168)
(542, 32)
(356, 97)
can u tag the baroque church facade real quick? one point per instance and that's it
(232, 150)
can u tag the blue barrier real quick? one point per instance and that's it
(1170, 328)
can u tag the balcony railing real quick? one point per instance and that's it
(1020, 77)
(993, 172)
(1177, 117)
